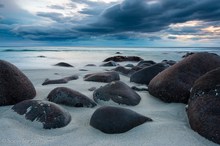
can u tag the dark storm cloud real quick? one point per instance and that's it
(127, 17)
(94, 8)
(153, 16)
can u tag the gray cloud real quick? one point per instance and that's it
(121, 21)
(52, 15)
(1, 5)
(59, 7)
(147, 16)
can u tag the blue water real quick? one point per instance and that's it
(28, 57)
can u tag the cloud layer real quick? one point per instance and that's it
(128, 19)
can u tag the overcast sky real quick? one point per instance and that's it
(157, 23)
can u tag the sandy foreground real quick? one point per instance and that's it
(169, 127)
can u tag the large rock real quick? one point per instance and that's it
(118, 92)
(113, 120)
(70, 97)
(204, 106)
(49, 114)
(145, 75)
(14, 85)
(105, 77)
(123, 58)
(174, 83)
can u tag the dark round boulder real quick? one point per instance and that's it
(174, 83)
(118, 92)
(123, 58)
(63, 64)
(49, 114)
(145, 75)
(105, 77)
(112, 120)
(14, 85)
(204, 106)
(69, 97)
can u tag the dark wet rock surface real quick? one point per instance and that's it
(118, 92)
(112, 120)
(60, 81)
(123, 58)
(14, 85)
(63, 64)
(70, 97)
(145, 75)
(49, 114)
(174, 83)
(204, 106)
(105, 77)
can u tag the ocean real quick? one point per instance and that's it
(46, 57)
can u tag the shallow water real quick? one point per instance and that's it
(28, 57)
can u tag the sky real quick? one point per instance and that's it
(143, 23)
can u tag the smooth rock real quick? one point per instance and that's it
(118, 92)
(60, 81)
(113, 120)
(123, 58)
(63, 64)
(145, 75)
(14, 85)
(204, 106)
(174, 83)
(49, 114)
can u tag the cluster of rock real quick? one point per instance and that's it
(194, 80)
(17, 89)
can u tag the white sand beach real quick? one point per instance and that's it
(169, 127)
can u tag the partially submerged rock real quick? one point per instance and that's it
(49, 114)
(118, 92)
(69, 97)
(123, 58)
(174, 83)
(110, 63)
(145, 75)
(14, 85)
(63, 64)
(113, 120)
(204, 106)
(60, 81)
(105, 77)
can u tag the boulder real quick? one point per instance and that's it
(14, 85)
(60, 81)
(123, 58)
(204, 106)
(145, 75)
(174, 83)
(118, 92)
(49, 114)
(70, 97)
(112, 120)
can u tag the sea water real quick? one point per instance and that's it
(46, 57)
